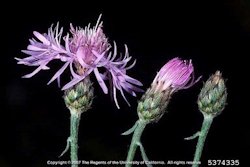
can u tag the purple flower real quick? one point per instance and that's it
(173, 76)
(176, 74)
(85, 51)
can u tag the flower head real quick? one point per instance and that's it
(85, 51)
(173, 76)
(213, 95)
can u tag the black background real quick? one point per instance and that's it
(215, 35)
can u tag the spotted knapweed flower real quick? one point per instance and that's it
(85, 51)
(175, 75)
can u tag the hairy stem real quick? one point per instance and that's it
(74, 126)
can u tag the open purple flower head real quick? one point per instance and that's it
(85, 51)
(176, 74)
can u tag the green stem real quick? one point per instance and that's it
(74, 126)
(202, 137)
(144, 155)
(136, 141)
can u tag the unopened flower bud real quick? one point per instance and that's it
(213, 95)
(79, 98)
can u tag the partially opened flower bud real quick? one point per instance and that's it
(79, 98)
(213, 95)
(173, 76)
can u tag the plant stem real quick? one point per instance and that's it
(74, 126)
(208, 119)
(136, 141)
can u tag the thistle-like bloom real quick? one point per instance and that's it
(84, 51)
(173, 76)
